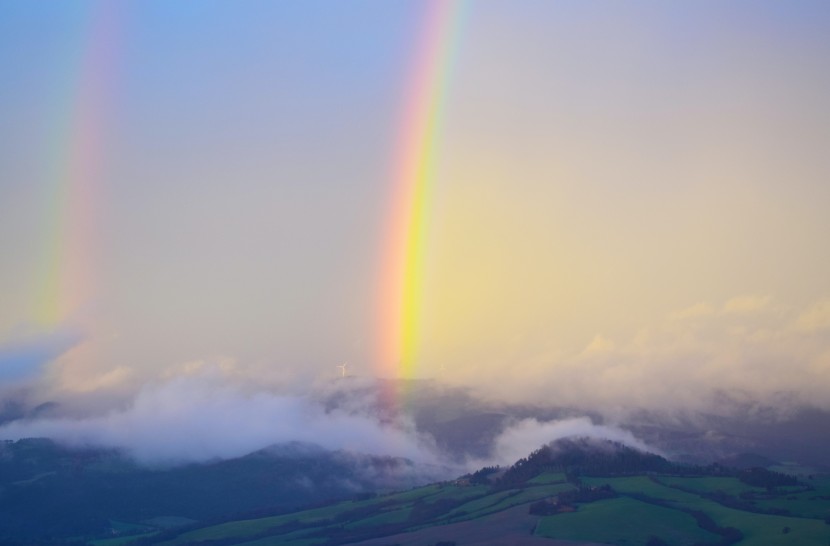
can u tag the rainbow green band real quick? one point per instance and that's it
(415, 170)
(66, 281)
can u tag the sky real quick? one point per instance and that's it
(627, 206)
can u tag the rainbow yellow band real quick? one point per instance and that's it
(415, 170)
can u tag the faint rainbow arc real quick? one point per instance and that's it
(415, 170)
(66, 279)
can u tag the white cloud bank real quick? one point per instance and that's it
(527, 435)
(209, 413)
(204, 417)
(747, 348)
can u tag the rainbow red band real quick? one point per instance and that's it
(416, 163)
(67, 272)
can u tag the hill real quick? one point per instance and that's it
(49, 492)
(577, 490)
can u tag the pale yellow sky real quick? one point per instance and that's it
(612, 176)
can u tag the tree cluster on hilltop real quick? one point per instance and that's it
(590, 457)
(584, 456)
(761, 477)
(483, 475)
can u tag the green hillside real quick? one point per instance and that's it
(50, 494)
(578, 494)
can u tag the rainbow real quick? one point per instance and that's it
(404, 251)
(73, 182)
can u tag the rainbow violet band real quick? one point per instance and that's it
(415, 166)
(66, 278)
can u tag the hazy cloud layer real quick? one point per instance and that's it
(527, 435)
(206, 412)
(198, 418)
(746, 348)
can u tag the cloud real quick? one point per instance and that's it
(816, 318)
(599, 345)
(701, 309)
(25, 359)
(203, 417)
(746, 304)
(527, 435)
(746, 347)
(110, 379)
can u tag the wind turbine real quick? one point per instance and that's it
(343, 368)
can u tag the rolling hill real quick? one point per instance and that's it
(576, 491)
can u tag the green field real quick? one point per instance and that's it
(624, 521)
(455, 492)
(708, 484)
(251, 527)
(299, 538)
(481, 503)
(522, 497)
(548, 478)
(794, 469)
(399, 515)
(434, 492)
(121, 541)
(390, 509)
(764, 529)
(643, 485)
(238, 529)
(758, 529)
(646, 506)
(806, 504)
(416, 493)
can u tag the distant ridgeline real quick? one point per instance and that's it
(49, 492)
(574, 489)
(590, 457)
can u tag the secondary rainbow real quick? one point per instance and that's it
(415, 170)
(73, 190)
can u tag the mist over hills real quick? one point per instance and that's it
(85, 480)
(435, 425)
(54, 495)
(51, 491)
(465, 426)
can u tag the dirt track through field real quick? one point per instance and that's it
(511, 527)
